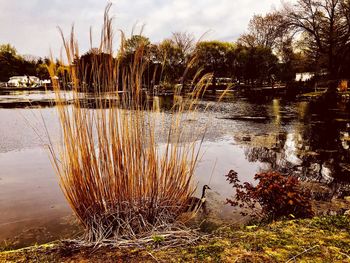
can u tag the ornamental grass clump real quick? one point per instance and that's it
(117, 179)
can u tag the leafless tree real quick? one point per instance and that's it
(265, 31)
(326, 28)
(184, 41)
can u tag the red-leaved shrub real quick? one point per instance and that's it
(275, 196)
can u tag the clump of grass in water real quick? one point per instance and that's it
(111, 170)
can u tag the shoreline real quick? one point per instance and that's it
(320, 239)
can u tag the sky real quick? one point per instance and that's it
(31, 25)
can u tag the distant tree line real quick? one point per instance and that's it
(180, 60)
(309, 36)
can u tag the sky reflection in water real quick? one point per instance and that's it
(309, 140)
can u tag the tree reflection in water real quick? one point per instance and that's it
(315, 148)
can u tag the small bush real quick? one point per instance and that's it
(277, 195)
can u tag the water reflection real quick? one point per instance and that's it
(307, 139)
(316, 147)
(32, 206)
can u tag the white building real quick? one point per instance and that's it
(23, 81)
(304, 76)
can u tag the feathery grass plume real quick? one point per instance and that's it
(118, 179)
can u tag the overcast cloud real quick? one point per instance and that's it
(31, 25)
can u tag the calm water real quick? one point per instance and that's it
(309, 140)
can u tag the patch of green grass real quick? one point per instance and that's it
(210, 252)
(332, 223)
(158, 239)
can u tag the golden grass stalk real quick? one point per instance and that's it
(117, 178)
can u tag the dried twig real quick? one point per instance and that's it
(305, 251)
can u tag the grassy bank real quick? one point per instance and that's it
(321, 239)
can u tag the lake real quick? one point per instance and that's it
(310, 140)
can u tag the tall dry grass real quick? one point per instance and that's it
(117, 179)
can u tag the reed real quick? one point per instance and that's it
(118, 179)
